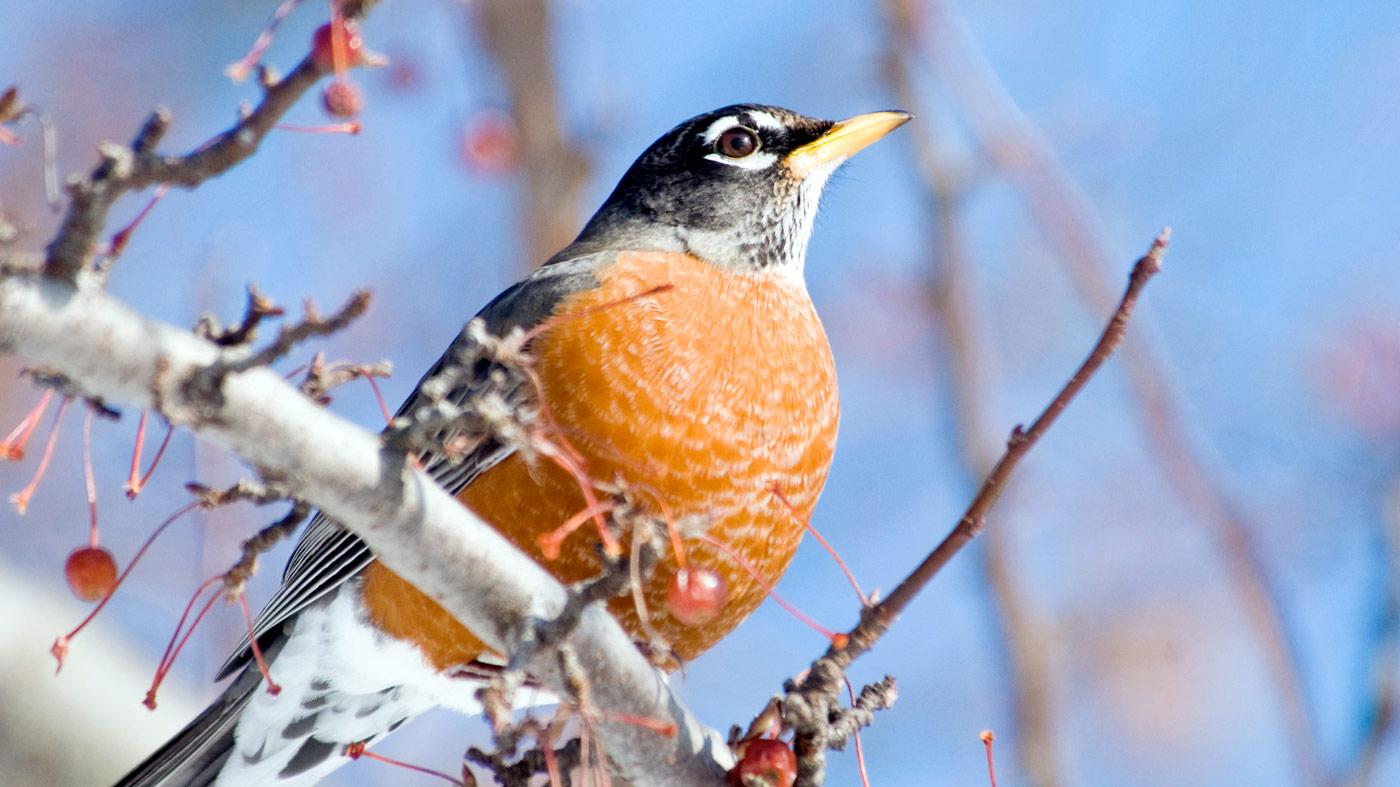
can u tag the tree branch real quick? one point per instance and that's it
(951, 304)
(809, 704)
(412, 524)
(1014, 145)
(136, 167)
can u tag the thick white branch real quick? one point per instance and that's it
(414, 526)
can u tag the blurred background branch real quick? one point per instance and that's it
(518, 35)
(966, 362)
(1380, 706)
(1020, 153)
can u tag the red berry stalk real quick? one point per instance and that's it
(90, 570)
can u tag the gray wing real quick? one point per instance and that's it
(327, 554)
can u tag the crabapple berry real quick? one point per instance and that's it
(91, 573)
(342, 99)
(323, 48)
(767, 762)
(491, 142)
(696, 596)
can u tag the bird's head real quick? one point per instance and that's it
(738, 186)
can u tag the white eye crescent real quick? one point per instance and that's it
(738, 142)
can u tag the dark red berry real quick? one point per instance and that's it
(766, 763)
(323, 49)
(696, 596)
(491, 142)
(91, 573)
(342, 99)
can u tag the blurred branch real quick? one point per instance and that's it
(811, 706)
(129, 168)
(951, 305)
(1066, 218)
(412, 524)
(1379, 713)
(518, 36)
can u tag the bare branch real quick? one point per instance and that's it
(810, 705)
(951, 304)
(259, 308)
(312, 325)
(205, 385)
(138, 166)
(413, 525)
(1065, 217)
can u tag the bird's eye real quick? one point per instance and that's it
(737, 142)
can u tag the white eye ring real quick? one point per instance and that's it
(741, 141)
(755, 161)
(759, 159)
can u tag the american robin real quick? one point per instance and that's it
(682, 355)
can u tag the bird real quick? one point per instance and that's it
(675, 344)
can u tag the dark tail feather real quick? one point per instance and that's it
(195, 755)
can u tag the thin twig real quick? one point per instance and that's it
(134, 167)
(811, 704)
(951, 302)
(205, 384)
(260, 542)
(311, 325)
(259, 307)
(1013, 144)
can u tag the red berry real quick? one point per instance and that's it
(491, 142)
(696, 596)
(323, 49)
(91, 572)
(342, 99)
(405, 74)
(766, 763)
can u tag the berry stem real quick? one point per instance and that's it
(594, 309)
(837, 640)
(60, 645)
(172, 650)
(987, 737)
(860, 750)
(571, 461)
(12, 447)
(133, 476)
(119, 240)
(21, 498)
(89, 481)
(352, 128)
(272, 687)
(807, 523)
(551, 542)
(339, 57)
(379, 397)
(239, 71)
(663, 728)
(357, 750)
(134, 485)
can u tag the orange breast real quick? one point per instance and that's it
(707, 394)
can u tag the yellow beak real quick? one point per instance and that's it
(844, 140)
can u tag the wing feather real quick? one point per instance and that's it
(327, 554)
